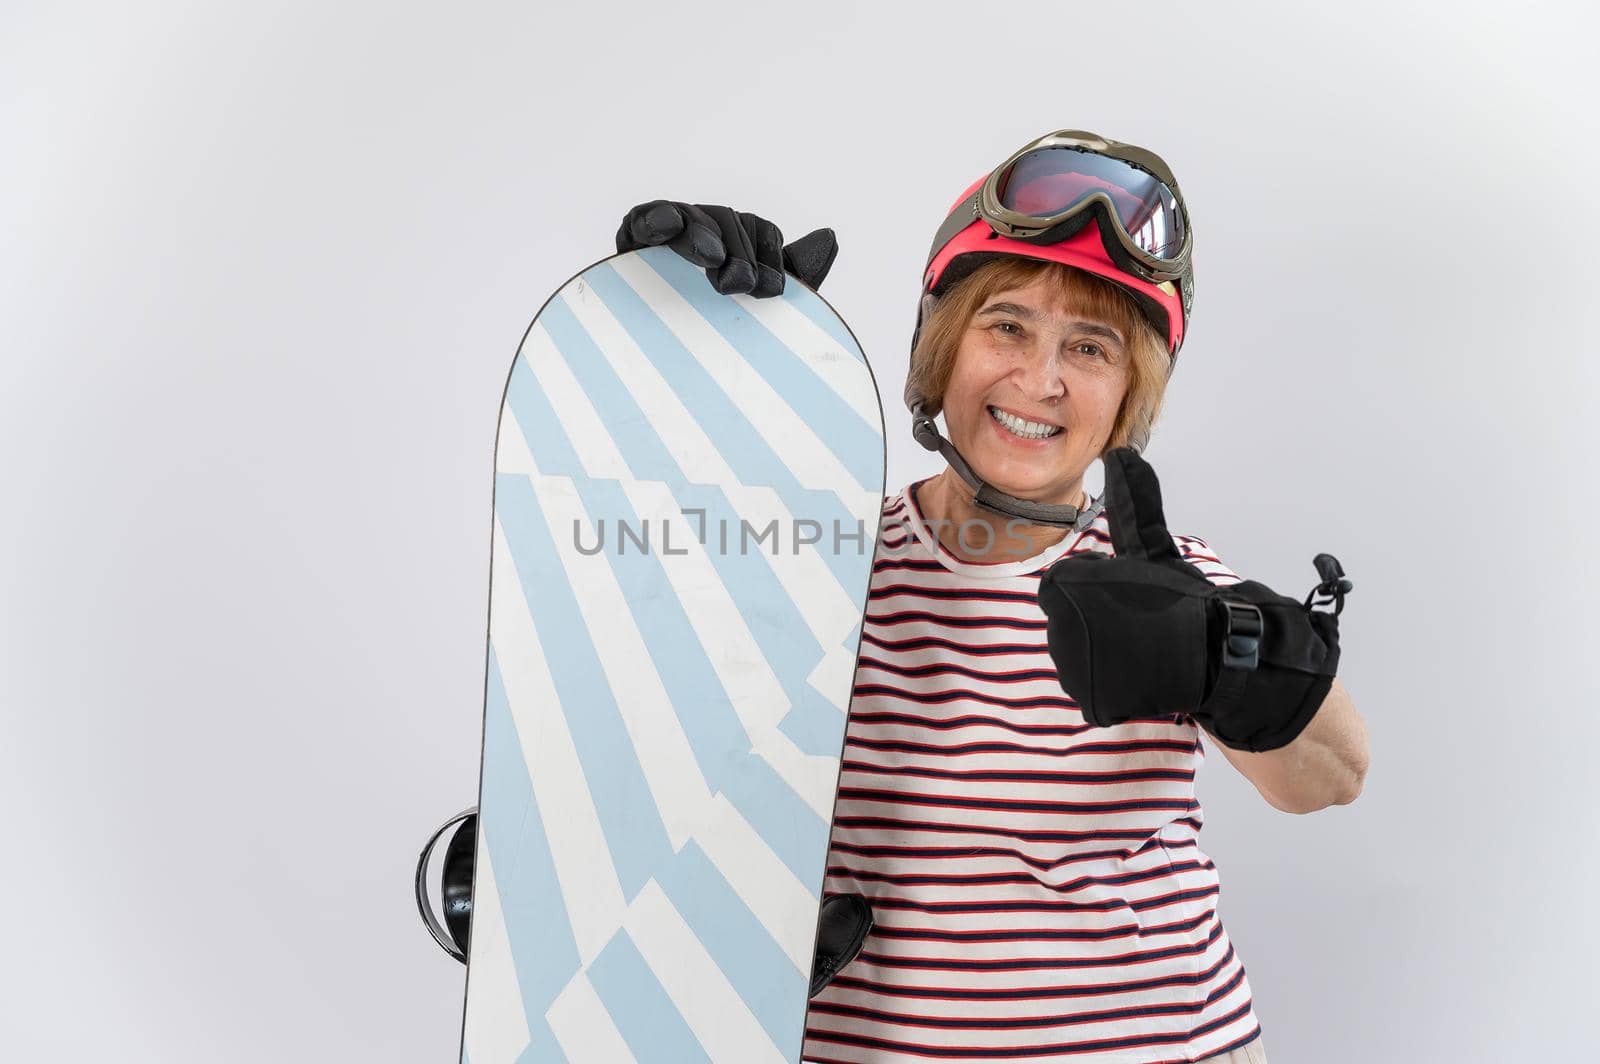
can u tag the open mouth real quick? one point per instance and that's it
(1028, 430)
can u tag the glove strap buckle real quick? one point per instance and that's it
(1335, 585)
(1241, 640)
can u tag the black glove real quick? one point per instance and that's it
(1144, 634)
(740, 252)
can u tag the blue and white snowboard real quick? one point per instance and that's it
(687, 494)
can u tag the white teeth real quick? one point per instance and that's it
(1031, 430)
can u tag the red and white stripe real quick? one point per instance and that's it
(1038, 885)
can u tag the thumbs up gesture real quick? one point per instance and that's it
(1144, 634)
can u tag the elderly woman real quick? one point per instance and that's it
(1016, 800)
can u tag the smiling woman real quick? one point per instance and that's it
(1039, 368)
(1030, 847)
(1095, 304)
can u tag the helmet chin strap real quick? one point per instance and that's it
(993, 499)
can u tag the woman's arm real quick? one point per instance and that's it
(1325, 764)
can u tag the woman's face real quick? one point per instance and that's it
(1034, 393)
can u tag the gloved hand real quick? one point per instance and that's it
(1144, 634)
(740, 252)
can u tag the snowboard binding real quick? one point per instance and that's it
(843, 924)
(454, 931)
(843, 921)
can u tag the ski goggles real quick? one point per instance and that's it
(1050, 189)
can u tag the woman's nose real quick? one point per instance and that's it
(1041, 371)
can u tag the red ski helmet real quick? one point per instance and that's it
(1039, 204)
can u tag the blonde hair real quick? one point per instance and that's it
(1148, 367)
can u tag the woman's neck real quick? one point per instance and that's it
(949, 512)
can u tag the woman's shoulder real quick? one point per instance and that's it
(898, 504)
(1200, 554)
(895, 509)
(1196, 551)
(1193, 545)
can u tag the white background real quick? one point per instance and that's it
(263, 268)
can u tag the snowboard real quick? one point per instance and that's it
(686, 502)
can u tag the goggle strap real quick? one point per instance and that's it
(965, 214)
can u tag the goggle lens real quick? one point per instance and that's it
(1052, 181)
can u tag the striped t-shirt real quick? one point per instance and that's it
(1037, 884)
